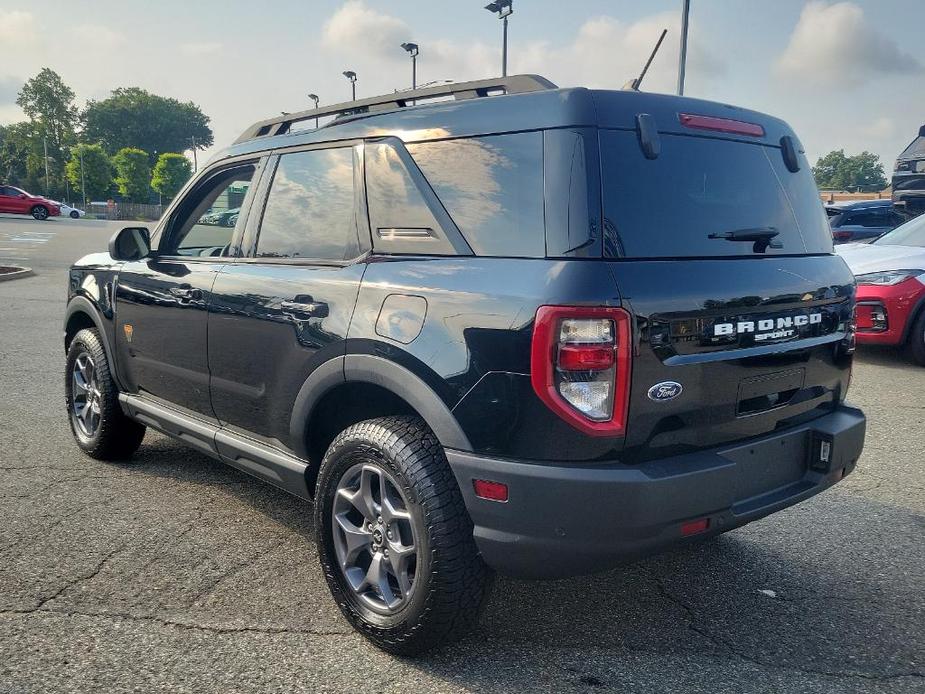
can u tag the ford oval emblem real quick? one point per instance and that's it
(666, 390)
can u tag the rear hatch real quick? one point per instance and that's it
(723, 254)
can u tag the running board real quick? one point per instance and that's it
(269, 464)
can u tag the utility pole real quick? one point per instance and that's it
(195, 159)
(682, 58)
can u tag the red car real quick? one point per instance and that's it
(890, 273)
(16, 201)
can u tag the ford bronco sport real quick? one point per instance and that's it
(491, 326)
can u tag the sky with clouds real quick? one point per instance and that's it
(845, 74)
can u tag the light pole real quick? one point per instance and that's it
(83, 180)
(352, 76)
(195, 158)
(314, 97)
(413, 50)
(45, 144)
(504, 9)
(682, 57)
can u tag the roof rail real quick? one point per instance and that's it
(515, 84)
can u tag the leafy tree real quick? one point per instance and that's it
(170, 173)
(95, 173)
(49, 104)
(133, 117)
(15, 148)
(133, 173)
(840, 172)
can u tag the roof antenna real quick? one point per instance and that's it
(633, 85)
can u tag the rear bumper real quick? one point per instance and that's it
(562, 520)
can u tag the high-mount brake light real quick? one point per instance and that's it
(580, 366)
(722, 125)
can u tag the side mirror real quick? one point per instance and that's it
(22, 196)
(131, 243)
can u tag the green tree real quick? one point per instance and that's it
(133, 117)
(90, 167)
(49, 104)
(170, 173)
(15, 148)
(133, 173)
(840, 172)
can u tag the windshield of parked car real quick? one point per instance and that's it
(912, 233)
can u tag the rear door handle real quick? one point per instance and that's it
(185, 292)
(305, 306)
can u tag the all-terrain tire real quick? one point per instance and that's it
(451, 583)
(115, 436)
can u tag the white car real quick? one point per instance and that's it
(72, 212)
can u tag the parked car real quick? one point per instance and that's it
(225, 218)
(890, 273)
(72, 212)
(864, 220)
(478, 336)
(909, 177)
(17, 201)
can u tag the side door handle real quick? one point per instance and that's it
(305, 307)
(186, 292)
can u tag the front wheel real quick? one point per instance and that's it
(74, 214)
(394, 537)
(39, 212)
(99, 426)
(917, 339)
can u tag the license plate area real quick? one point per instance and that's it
(768, 392)
(770, 464)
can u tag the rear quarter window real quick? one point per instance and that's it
(698, 186)
(492, 188)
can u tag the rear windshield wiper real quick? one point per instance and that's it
(760, 236)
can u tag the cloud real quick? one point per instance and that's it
(9, 90)
(17, 28)
(882, 128)
(355, 26)
(833, 44)
(605, 53)
(201, 48)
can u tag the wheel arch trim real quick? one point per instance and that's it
(81, 304)
(366, 368)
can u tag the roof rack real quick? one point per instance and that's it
(515, 84)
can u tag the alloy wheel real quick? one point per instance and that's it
(86, 398)
(374, 538)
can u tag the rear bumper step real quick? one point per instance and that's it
(567, 519)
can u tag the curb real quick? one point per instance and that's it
(14, 272)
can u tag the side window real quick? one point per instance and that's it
(492, 187)
(204, 224)
(310, 207)
(402, 220)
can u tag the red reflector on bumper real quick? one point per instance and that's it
(695, 526)
(493, 491)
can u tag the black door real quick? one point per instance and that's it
(285, 307)
(162, 301)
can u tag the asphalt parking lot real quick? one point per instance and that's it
(173, 572)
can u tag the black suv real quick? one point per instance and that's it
(487, 326)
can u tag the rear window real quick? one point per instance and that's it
(698, 186)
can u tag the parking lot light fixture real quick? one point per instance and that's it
(352, 76)
(314, 97)
(504, 9)
(413, 50)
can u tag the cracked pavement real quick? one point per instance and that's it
(175, 573)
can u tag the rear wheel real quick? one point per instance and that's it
(394, 537)
(99, 426)
(74, 214)
(39, 212)
(917, 339)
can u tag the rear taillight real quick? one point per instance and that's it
(841, 235)
(580, 366)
